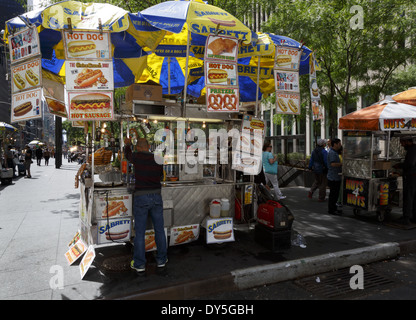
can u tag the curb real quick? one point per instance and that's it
(289, 270)
(279, 272)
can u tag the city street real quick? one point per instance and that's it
(39, 217)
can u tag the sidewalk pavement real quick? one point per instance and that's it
(39, 216)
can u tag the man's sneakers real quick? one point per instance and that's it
(143, 268)
(310, 195)
(139, 269)
(163, 264)
(282, 197)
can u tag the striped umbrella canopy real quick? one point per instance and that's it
(385, 115)
(261, 53)
(5, 127)
(130, 35)
(201, 19)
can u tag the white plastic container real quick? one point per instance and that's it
(215, 208)
(225, 207)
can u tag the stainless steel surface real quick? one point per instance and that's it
(191, 202)
(357, 168)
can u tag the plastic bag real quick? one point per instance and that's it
(298, 240)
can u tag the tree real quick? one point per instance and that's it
(356, 46)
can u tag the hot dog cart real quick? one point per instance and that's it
(368, 161)
(372, 153)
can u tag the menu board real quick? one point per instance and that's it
(26, 70)
(221, 48)
(288, 103)
(222, 99)
(87, 45)
(219, 73)
(26, 75)
(111, 230)
(287, 58)
(26, 105)
(87, 261)
(24, 44)
(317, 109)
(183, 234)
(287, 81)
(221, 77)
(56, 107)
(220, 230)
(89, 75)
(88, 106)
(75, 251)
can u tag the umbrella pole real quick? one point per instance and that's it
(257, 85)
(169, 75)
(186, 75)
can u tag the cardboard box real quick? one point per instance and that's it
(147, 92)
(382, 165)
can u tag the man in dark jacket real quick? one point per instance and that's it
(39, 155)
(147, 201)
(409, 181)
(318, 164)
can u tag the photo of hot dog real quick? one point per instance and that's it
(184, 236)
(217, 75)
(283, 60)
(19, 81)
(116, 236)
(92, 101)
(31, 77)
(225, 23)
(114, 208)
(292, 106)
(55, 105)
(22, 109)
(222, 235)
(89, 77)
(81, 48)
(282, 105)
(149, 242)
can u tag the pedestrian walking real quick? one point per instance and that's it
(318, 164)
(39, 155)
(333, 176)
(28, 161)
(270, 168)
(147, 201)
(46, 155)
(409, 181)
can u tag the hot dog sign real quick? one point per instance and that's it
(26, 75)
(89, 75)
(87, 45)
(223, 74)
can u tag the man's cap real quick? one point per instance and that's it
(321, 142)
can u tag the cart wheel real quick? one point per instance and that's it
(356, 212)
(380, 215)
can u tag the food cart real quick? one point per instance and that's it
(372, 153)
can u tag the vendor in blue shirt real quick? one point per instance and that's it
(270, 170)
(334, 175)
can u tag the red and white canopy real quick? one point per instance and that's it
(396, 113)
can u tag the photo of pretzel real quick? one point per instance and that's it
(230, 102)
(215, 101)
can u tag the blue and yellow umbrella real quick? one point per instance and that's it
(130, 35)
